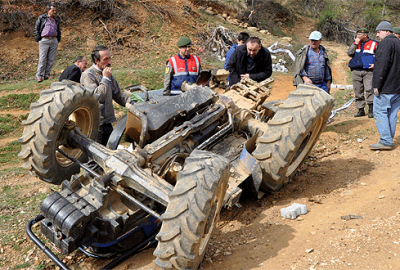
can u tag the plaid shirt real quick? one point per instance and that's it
(315, 68)
(50, 28)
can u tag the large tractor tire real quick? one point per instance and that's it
(193, 211)
(290, 135)
(43, 128)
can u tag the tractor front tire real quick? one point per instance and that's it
(43, 129)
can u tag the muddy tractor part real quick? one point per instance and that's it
(190, 155)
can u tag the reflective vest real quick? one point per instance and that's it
(364, 52)
(184, 70)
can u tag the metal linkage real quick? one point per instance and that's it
(135, 201)
(79, 163)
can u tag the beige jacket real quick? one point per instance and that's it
(107, 89)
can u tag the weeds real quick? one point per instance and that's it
(9, 153)
(15, 101)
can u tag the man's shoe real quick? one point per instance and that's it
(370, 111)
(39, 80)
(380, 146)
(48, 78)
(360, 113)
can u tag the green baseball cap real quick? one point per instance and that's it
(363, 30)
(184, 41)
(396, 30)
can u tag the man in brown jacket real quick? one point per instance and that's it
(99, 77)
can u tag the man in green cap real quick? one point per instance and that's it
(362, 52)
(396, 32)
(182, 67)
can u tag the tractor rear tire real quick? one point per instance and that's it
(291, 134)
(193, 211)
(43, 128)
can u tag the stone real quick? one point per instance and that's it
(252, 28)
(293, 211)
(285, 40)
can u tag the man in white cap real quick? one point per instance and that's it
(312, 64)
(386, 85)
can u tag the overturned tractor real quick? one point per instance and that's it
(190, 156)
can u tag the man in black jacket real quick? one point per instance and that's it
(250, 61)
(74, 72)
(48, 33)
(386, 85)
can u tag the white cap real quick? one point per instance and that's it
(315, 35)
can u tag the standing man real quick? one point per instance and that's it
(362, 63)
(48, 33)
(250, 61)
(182, 67)
(312, 64)
(99, 77)
(74, 72)
(386, 84)
(241, 40)
(396, 32)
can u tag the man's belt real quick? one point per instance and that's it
(49, 37)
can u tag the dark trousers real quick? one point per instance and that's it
(105, 131)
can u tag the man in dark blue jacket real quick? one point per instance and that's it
(250, 61)
(74, 72)
(241, 40)
(386, 85)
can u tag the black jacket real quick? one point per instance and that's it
(237, 65)
(387, 66)
(39, 25)
(72, 73)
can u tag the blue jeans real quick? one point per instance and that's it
(323, 86)
(386, 107)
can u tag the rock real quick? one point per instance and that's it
(252, 29)
(227, 253)
(285, 40)
(224, 15)
(45, 190)
(264, 32)
(381, 197)
(209, 12)
(309, 250)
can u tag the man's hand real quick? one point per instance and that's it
(306, 80)
(357, 41)
(107, 72)
(328, 84)
(376, 92)
(245, 76)
(371, 66)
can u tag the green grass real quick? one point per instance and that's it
(28, 84)
(18, 101)
(342, 96)
(9, 153)
(22, 265)
(9, 124)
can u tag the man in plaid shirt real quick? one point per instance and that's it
(312, 64)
